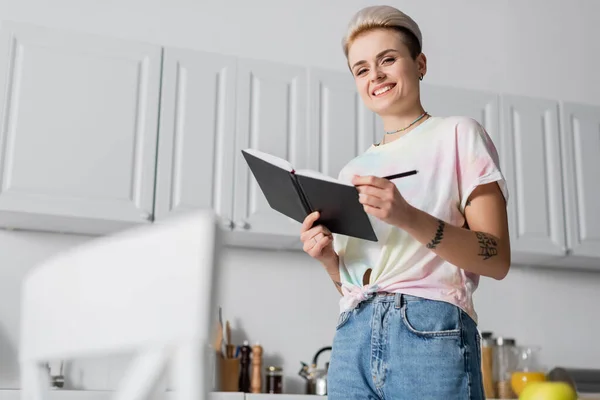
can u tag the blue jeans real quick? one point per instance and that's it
(400, 347)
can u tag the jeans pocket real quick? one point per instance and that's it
(431, 318)
(342, 319)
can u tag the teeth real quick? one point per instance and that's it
(382, 90)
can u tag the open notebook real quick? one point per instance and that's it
(298, 193)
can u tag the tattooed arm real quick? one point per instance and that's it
(483, 248)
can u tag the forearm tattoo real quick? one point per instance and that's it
(488, 246)
(439, 235)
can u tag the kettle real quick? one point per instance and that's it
(316, 379)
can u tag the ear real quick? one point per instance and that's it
(421, 64)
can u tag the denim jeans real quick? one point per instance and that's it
(395, 346)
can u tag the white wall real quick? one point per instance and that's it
(542, 48)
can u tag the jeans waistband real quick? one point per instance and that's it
(397, 298)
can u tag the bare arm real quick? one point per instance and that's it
(333, 269)
(483, 249)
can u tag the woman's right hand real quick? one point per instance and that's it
(317, 241)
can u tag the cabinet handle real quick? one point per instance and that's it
(146, 216)
(228, 224)
(243, 225)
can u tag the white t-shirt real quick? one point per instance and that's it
(453, 156)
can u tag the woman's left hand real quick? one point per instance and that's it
(381, 199)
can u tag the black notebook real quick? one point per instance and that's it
(299, 193)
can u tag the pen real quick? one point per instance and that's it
(400, 175)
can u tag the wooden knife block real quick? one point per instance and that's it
(229, 373)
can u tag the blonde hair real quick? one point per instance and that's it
(384, 17)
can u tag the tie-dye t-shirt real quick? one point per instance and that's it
(452, 155)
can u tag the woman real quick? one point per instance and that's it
(407, 327)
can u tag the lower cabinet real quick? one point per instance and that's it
(263, 396)
(227, 396)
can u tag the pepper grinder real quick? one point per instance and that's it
(244, 382)
(257, 351)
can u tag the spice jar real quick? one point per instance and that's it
(274, 378)
(505, 362)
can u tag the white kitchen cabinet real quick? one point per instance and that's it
(79, 124)
(65, 394)
(444, 101)
(581, 163)
(340, 126)
(226, 396)
(271, 117)
(533, 173)
(197, 134)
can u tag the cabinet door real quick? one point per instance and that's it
(534, 178)
(196, 139)
(341, 127)
(581, 142)
(483, 107)
(79, 123)
(271, 117)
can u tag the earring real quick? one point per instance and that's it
(421, 77)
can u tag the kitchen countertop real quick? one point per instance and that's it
(14, 394)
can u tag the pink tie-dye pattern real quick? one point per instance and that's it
(453, 156)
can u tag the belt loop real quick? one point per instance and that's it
(398, 302)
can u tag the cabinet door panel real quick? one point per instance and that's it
(581, 142)
(341, 127)
(483, 107)
(534, 177)
(195, 159)
(79, 124)
(271, 117)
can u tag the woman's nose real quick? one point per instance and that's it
(376, 75)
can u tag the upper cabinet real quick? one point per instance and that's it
(533, 173)
(483, 107)
(197, 134)
(270, 117)
(79, 124)
(581, 156)
(340, 126)
(99, 134)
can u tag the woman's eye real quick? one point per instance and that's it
(360, 71)
(388, 60)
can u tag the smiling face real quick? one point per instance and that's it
(386, 75)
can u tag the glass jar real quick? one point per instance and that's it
(487, 364)
(274, 378)
(528, 368)
(505, 362)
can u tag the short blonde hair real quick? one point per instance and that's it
(384, 17)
